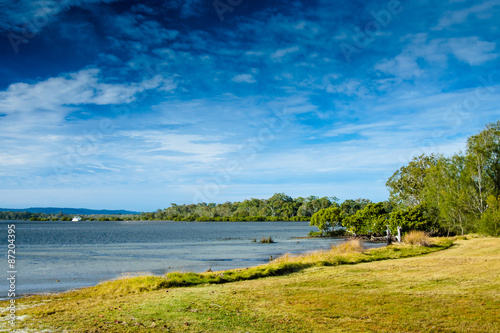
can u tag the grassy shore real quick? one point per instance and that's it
(451, 290)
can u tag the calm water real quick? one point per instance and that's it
(58, 256)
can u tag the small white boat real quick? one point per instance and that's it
(76, 219)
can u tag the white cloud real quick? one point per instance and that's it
(472, 50)
(402, 66)
(248, 78)
(433, 51)
(59, 93)
(359, 128)
(296, 104)
(277, 55)
(193, 147)
(482, 10)
(350, 87)
(436, 52)
(254, 53)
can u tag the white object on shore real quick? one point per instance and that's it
(399, 234)
(76, 219)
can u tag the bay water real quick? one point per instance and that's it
(60, 256)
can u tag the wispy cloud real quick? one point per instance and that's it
(279, 54)
(472, 50)
(248, 78)
(484, 10)
(60, 93)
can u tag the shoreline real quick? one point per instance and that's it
(215, 302)
(149, 273)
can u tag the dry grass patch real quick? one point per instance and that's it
(347, 252)
(417, 238)
(350, 246)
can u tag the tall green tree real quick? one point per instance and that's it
(407, 184)
(483, 161)
(350, 207)
(313, 204)
(449, 195)
(490, 221)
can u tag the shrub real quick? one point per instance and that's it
(371, 219)
(313, 233)
(327, 219)
(417, 238)
(413, 218)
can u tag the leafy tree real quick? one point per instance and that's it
(449, 196)
(406, 184)
(373, 218)
(456, 189)
(350, 207)
(412, 218)
(483, 160)
(313, 204)
(326, 219)
(276, 202)
(490, 221)
(354, 224)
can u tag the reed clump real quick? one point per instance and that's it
(266, 240)
(417, 238)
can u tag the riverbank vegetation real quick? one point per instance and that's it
(434, 193)
(279, 207)
(451, 290)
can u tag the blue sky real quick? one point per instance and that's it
(128, 105)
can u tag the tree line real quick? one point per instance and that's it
(434, 193)
(279, 207)
(31, 216)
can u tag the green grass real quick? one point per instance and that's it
(347, 253)
(455, 290)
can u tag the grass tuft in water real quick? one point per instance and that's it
(266, 240)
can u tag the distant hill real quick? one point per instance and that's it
(82, 211)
